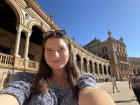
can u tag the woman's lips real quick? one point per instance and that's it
(56, 61)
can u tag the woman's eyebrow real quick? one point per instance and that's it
(61, 46)
(48, 48)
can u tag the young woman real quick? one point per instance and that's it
(114, 84)
(58, 81)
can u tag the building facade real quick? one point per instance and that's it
(115, 51)
(22, 23)
(134, 65)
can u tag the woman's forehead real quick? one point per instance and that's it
(55, 42)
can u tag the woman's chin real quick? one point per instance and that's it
(57, 67)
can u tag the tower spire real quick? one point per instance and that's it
(109, 34)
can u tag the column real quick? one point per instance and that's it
(103, 75)
(107, 72)
(93, 68)
(102, 66)
(27, 45)
(98, 74)
(81, 65)
(98, 69)
(88, 68)
(17, 41)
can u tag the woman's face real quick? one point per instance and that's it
(56, 53)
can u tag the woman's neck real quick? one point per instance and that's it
(59, 78)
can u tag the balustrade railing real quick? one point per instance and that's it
(6, 60)
(9, 61)
(33, 65)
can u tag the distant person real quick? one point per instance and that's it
(130, 79)
(58, 81)
(114, 84)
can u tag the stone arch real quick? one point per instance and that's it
(17, 11)
(78, 61)
(85, 64)
(36, 39)
(96, 68)
(105, 72)
(109, 70)
(35, 23)
(90, 66)
(100, 69)
(11, 17)
(22, 43)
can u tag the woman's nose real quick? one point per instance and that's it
(57, 54)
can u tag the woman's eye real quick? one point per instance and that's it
(61, 49)
(48, 50)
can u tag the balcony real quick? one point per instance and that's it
(11, 62)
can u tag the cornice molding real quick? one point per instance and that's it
(32, 4)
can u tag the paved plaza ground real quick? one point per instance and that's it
(124, 97)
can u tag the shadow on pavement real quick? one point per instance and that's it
(123, 101)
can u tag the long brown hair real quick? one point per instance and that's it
(40, 82)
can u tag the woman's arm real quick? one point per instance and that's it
(92, 96)
(6, 99)
(17, 90)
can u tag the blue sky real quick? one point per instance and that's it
(86, 19)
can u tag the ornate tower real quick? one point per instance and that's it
(114, 51)
(112, 55)
(118, 57)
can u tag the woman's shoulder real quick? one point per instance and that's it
(19, 86)
(22, 76)
(86, 79)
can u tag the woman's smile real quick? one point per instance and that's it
(56, 53)
(56, 61)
